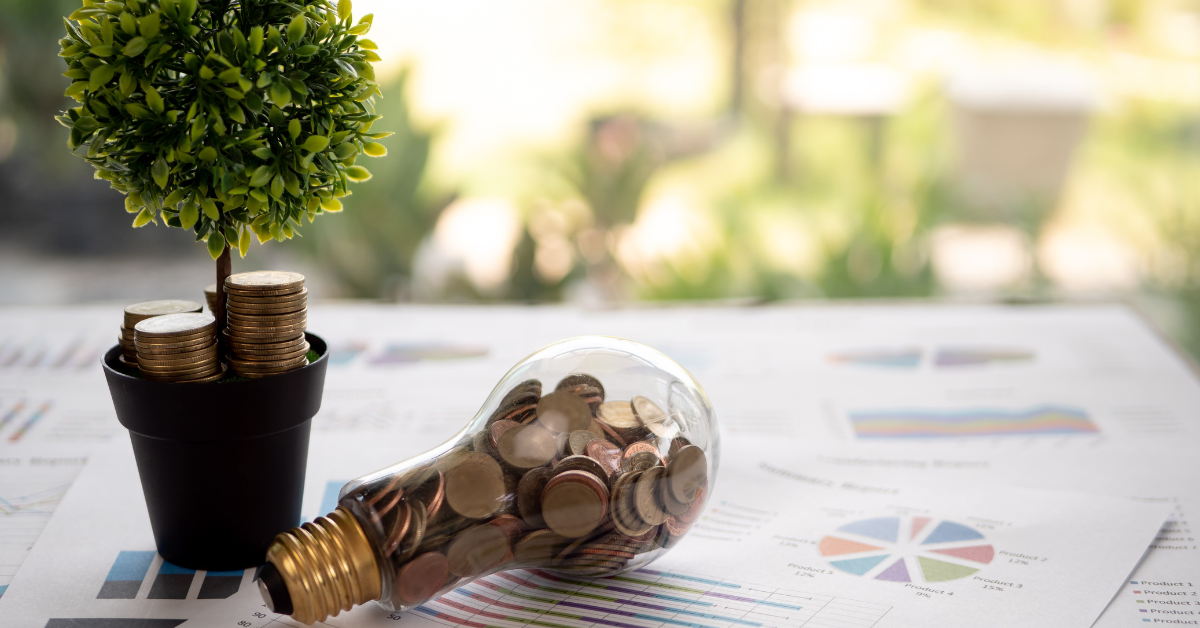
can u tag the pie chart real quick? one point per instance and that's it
(907, 549)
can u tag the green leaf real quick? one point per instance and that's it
(361, 29)
(128, 23)
(127, 84)
(357, 173)
(86, 124)
(135, 46)
(345, 151)
(374, 149)
(76, 88)
(331, 205)
(367, 19)
(149, 25)
(294, 128)
(210, 209)
(206, 72)
(208, 153)
(233, 93)
(189, 215)
(244, 243)
(216, 245)
(154, 100)
(101, 76)
(230, 76)
(160, 171)
(344, 8)
(307, 51)
(316, 143)
(137, 110)
(256, 39)
(367, 44)
(261, 176)
(296, 28)
(174, 197)
(143, 218)
(106, 30)
(263, 153)
(187, 8)
(277, 186)
(370, 55)
(281, 95)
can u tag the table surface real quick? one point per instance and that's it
(403, 378)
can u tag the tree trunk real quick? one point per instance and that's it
(224, 269)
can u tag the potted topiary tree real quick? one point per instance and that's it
(228, 118)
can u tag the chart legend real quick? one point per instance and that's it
(907, 549)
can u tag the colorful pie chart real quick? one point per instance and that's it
(907, 549)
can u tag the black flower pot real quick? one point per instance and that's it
(222, 463)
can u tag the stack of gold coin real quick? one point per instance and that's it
(139, 312)
(564, 481)
(178, 348)
(267, 313)
(210, 297)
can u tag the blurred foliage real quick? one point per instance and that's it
(369, 248)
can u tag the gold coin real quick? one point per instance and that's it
(210, 375)
(277, 356)
(562, 411)
(476, 550)
(646, 499)
(198, 357)
(148, 309)
(174, 325)
(210, 291)
(265, 280)
(526, 446)
(239, 340)
(618, 415)
(574, 503)
(261, 366)
(272, 319)
(176, 347)
(260, 350)
(267, 335)
(538, 546)
(421, 577)
(238, 329)
(257, 299)
(579, 439)
(623, 516)
(687, 472)
(475, 486)
(244, 311)
(179, 369)
(174, 342)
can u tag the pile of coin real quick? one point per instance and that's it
(210, 297)
(139, 312)
(267, 313)
(564, 481)
(178, 348)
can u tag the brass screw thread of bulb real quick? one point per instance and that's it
(328, 566)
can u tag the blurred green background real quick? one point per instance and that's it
(744, 150)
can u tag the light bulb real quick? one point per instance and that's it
(591, 457)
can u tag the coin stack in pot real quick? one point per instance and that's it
(178, 348)
(564, 481)
(267, 313)
(139, 312)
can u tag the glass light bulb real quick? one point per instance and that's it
(591, 457)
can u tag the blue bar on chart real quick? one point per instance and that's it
(172, 582)
(219, 585)
(126, 575)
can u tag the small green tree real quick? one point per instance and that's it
(225, 117)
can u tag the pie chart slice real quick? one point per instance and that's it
(977, 553)
(858, 566)
(940, 570)
(948, 532)
(896, 573)
(882, 528)
(833, 546)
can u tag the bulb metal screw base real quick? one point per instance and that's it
(328, 566)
